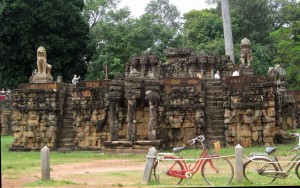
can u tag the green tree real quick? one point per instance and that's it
(57, 25)
(286, 39)
(97, 10)
(117, 37)
(287, 46)
(203, 31)
(115, 42)
(252, 20)
(167, 25)
(284, 12)
(166, 13)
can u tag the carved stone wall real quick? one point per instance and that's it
(155, 104)
(90, 110)
(252, 111)
(181, 110)
(35, 116)
(5, 116)
(293, 114)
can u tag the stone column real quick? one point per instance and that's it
(143, 63)
(131, 131)
(153, 62)
(153, 122)
(153, 98)
(114, 130)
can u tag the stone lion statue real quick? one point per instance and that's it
(42, 65)
(277, 71)
(246, 54)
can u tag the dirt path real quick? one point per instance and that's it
(99, 173)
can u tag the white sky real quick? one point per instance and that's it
(137, 6)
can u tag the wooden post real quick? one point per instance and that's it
(45, 163)
(227, 29)
(106, 72)
(239, 163)
(149, 165)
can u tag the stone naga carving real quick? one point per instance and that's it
(246, 54)
(43, 67)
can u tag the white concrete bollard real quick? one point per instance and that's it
(149, 165)
(239, 163)
(45, 161)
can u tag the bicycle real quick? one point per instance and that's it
(261, 168)
(214, 169)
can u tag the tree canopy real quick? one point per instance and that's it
(56, 25)
(82, 36)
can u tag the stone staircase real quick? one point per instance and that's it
(215, 110)
(67, 132)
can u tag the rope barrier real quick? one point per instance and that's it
(275, 162)
(217, 157)
(195, 159)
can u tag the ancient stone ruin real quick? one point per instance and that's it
(156, 104)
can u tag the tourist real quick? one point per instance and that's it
(199, 75)
(2, 94)
(75, 79)
(217, 75)
(236, 73)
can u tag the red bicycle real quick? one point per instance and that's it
(214, 169)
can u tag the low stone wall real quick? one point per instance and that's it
(181, 110)
(295, 95)
(252, 111)
(89, 107)
(5, 115)
(34, 117)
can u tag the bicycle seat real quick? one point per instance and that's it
(270, 150)
(178, 149)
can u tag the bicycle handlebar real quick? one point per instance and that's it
(294, 134)
(198, 138)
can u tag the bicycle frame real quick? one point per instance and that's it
(187, 172)
(290, 164)
(281, 173)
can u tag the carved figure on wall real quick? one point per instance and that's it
(134, 73)
(42, 65)
(246, 54)
(277, 70)
(150, 75)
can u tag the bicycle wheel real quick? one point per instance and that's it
(217, 171)
(297, 169)
(161, 168)
(254, 168)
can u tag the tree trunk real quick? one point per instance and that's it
(227, 29)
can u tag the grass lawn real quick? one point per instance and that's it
(17, 164)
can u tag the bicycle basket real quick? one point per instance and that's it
(217, 146)
(213, 147)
